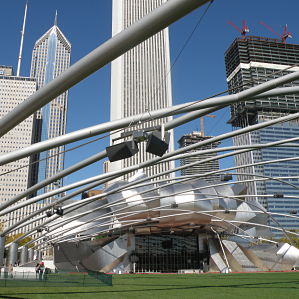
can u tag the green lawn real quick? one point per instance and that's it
(255, 285)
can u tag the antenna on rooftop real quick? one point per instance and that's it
(22, 40)
(55, 19)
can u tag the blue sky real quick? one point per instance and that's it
(198, 73)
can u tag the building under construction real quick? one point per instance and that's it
(208, 166)
(251, 61)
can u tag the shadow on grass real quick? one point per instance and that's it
(236, 286)
(10, 297)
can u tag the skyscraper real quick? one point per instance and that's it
(50, 57)
(140, 79)
(251, 61)
(193, 138)
(14, 176)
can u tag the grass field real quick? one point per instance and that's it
(243, 285)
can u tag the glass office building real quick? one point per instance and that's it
(50, 57)
(251, 61)
(287, 170)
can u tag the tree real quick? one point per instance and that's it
(24, 241)
(295, 239)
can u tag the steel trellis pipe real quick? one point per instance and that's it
(99, 156)
(158, 19)
(237, 132)
(212, 172)
(235, 197)
(113, 204)
(187, 148)
(182, 212)
(133, 120)
(189, 178)
(54, 178)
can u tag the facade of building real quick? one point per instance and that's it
(190, 139)
(140, 79)
(14, 176)
(251, 61)
(50, 57)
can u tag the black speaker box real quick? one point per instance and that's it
(225, 177)
(59, 211)
(122, 150)
(155, 145)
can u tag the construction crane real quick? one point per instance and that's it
(285, 34)
(201, 119)
(244, 29)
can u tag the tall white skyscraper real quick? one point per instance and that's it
(50, 57)
(140, 79)
(13, 91)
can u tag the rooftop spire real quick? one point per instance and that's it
(55, 19)
(22, 40)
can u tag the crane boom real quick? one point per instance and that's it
(285, 34)
(244, 29)
(201, 119)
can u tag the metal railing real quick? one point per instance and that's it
(60, 279)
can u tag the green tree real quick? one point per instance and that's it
(11, 238)
(295, 239)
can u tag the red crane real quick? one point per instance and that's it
(285, 34)
(244, 29)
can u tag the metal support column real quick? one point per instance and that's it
(223, 252)
(30, 255)
(13, 253)
(24, 255)
(39, 255)
(2, 249)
